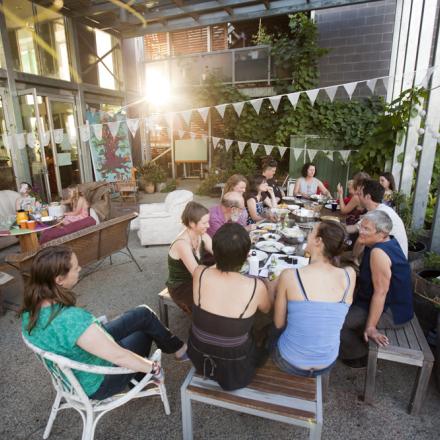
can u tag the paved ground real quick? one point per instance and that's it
(27, 394)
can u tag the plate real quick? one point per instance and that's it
(280, 211)
(293, 207)
(331, 218)
(267, 226)
(270, 236)
(329, 206)
(289, 198)
(289, 250)
(260, 254)
(269, 246)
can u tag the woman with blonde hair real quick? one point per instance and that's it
(79, 204)
(236, 183)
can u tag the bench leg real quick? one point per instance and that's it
(187, 428)
(163, 312)
(419, 390)
(325, 385)
(315, 431)
(370, 376)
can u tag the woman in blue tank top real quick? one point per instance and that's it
(311, 305)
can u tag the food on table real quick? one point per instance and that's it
(271, 236)
(269, 246)
(283, 205)
(293, 232)
(331, 218)
(289, 250)
(260, 254)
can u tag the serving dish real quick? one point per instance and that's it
(269, 247)
(270, 236)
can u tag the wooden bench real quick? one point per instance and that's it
(165, 301)
(272, 394)
(91, 244)
(407, 346)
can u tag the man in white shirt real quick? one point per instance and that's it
(370, 196)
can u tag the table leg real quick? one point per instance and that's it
(28, 242)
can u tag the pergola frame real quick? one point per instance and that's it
(413, 44)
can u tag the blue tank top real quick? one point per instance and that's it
(312, 334)
(399, 297)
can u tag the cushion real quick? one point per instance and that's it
(60, 231)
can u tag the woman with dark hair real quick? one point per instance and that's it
(52, 321)
(186, 252)
(308, 184)
(311, 305)
(220, 344)
(256, 198)
(386, 179)
(352, 208)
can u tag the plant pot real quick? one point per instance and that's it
(416, 251)
(426, 313)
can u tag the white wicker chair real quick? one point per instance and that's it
(91, 411)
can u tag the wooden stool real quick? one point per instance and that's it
(407, 346)
(165, 301)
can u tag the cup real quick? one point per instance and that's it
(21, 216)
(334, 205)
(31, 224)
(22, 224)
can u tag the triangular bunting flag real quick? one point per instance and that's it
(331, 92)
(228, 143)
(45, 138)
(20, 140)
(192, 135)
(350, 88)
(221, 109)
(268, 149)
(58, 135)
(113, 127)
(256, 104)
(385, 81)
(293, 98)
(203, 112)
(181, 133)
(312, 154)
(282, 150)
(329, 155)
(84, 133)
(215, 141)
(254, 147)
(275, 101)
(133, 125)
(344, 154)
(241, 146)
(312, 94)
(186, 116)
(30, 140)
(238, 107)
(297, 152)
(371, 84)
(97, 130)
(66, 143)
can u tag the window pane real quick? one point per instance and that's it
(103, 46)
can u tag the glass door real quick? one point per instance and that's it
(7, 177)
(63, 152)
(35, 125)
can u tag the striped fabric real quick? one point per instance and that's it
(219, 341)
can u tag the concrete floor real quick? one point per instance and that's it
(27, 394)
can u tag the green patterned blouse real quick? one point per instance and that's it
(59, 336)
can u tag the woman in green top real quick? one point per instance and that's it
(186, 252)
(52, 322)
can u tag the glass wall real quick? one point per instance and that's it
(7, 180)
(38, 39)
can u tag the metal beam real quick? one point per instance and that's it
(241, 13)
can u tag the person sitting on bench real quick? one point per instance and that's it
(384, 298)
(314, 301)
(220, 344)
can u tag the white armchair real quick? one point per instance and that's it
(7, 208)
(159, 223)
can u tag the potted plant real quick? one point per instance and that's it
(416, 247)
(151, 174)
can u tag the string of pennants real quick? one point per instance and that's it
(60, 137)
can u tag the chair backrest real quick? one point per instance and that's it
(7, 202)
(176, 200)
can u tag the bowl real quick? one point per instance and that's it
(48, 220)
(271, 236)
(289, 250)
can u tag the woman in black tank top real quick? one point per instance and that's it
(220, 344)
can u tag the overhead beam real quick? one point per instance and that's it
(238, 14)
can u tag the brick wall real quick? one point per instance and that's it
(360, 38)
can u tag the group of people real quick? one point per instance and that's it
(315, 314)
